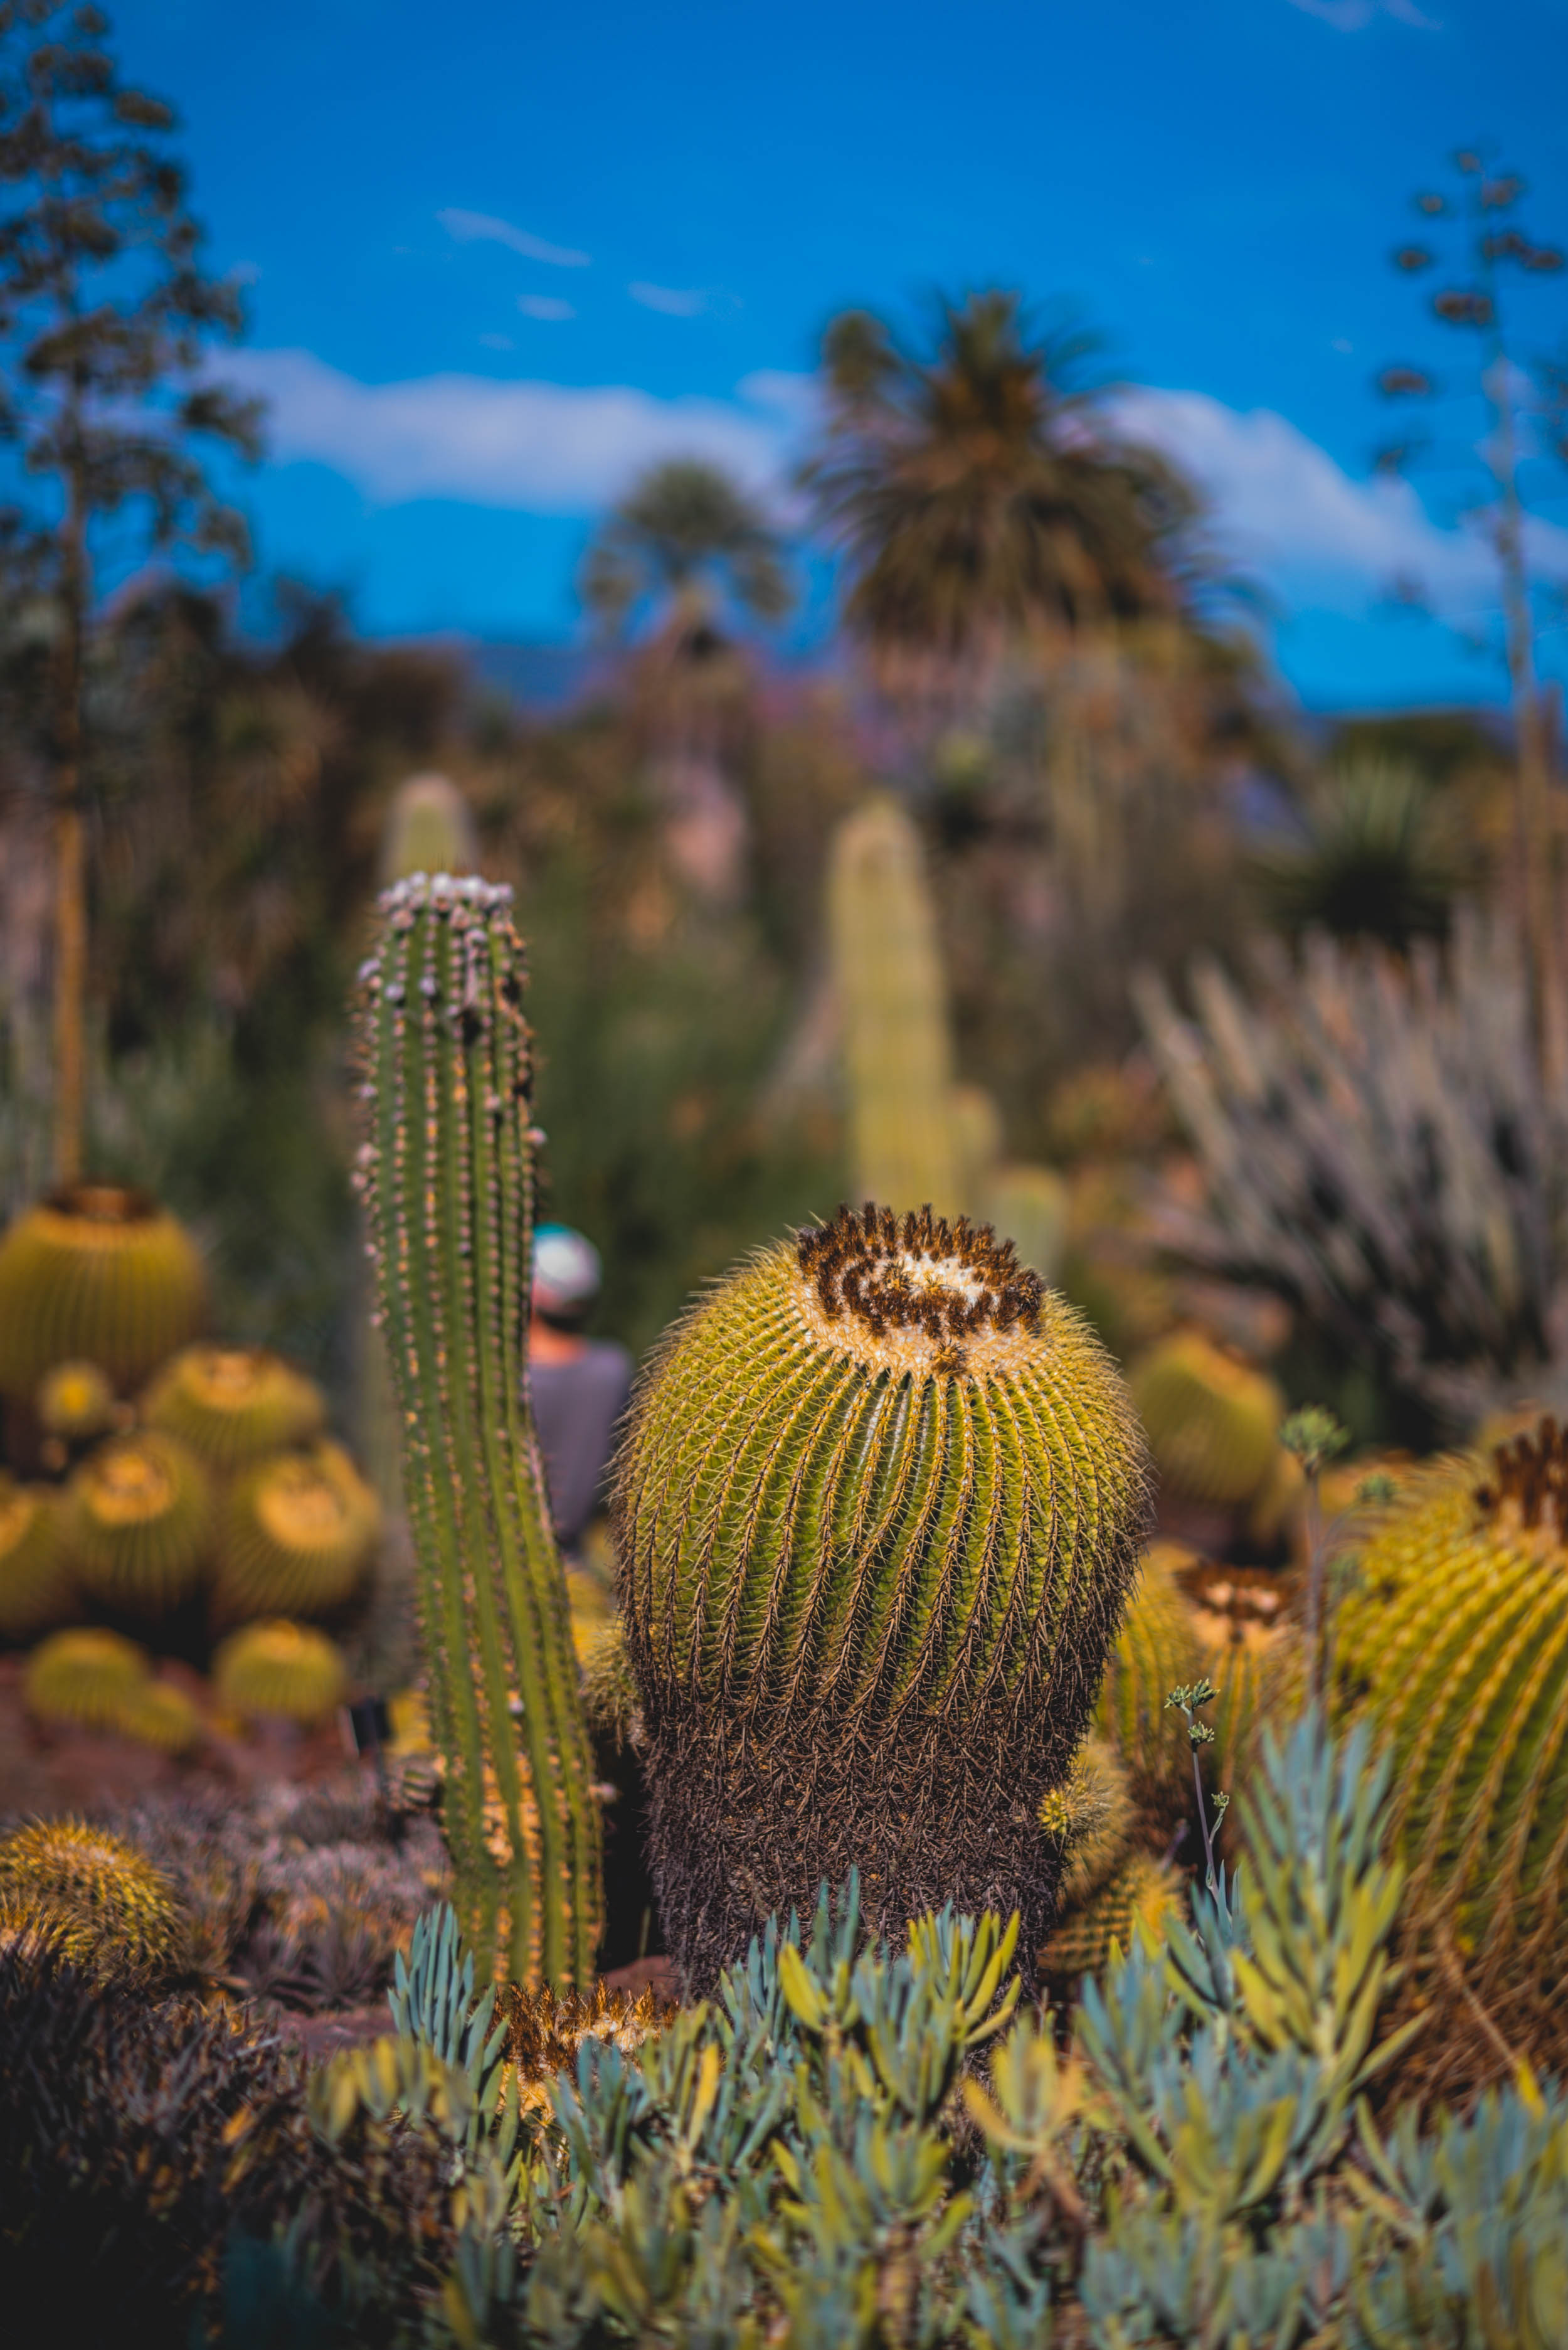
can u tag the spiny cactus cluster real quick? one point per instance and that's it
(99, 1274)
(95, 1899)
(447, 1170)
(877, 1514)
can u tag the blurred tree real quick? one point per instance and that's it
(1372, 856)
(106, 321)
(685, 532)
(1478, 219)
(982, 491)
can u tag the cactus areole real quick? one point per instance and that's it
(447, 1172)
(879, 1514)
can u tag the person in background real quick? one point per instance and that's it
(578, 1386)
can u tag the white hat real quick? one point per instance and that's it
(567, 1273)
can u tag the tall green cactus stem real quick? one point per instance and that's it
(878, 1513)
(448, 1177)
(904, 1138)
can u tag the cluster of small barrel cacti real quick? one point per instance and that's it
(447, 1169)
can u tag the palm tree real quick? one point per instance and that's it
(686, 534)
(686, 548)
(979, 495)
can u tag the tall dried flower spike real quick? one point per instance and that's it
(878, 1514)
(447, 1171)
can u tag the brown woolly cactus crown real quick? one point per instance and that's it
(878, 1513)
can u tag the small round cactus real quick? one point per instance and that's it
(138, 1523)
(877, 1516)
(1140, 1891)
(75, 1403)
(289, 1673)
(95, 1899)
(1157, 1649)
(156, 1714)
(234, 1404)
(1213, 1421)
(296, 1535)
(100, 1274)
(82, 1677)
(35, 1588)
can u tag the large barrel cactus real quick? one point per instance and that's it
(138, 1523)
(878, 1514)
(296, 1533)
(448, 1174)
(1454, 1643)
(97, 1273)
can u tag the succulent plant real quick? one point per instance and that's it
(99, 1274)
(158, 1714)
(1091, 1816)
(877, 1514)
(429, 828)
(36, 1588)
(448, 1173)
(1452, 1643)
(296, 1533)
(83, 1676)
(1139, 1891)
(287, 1670)
(1155, 1650)
(905, 1141)
(1030, 1204)
(103, 1904)
(234, 1404)
(137, 1523)
(75, 1403)
(1212, 1420)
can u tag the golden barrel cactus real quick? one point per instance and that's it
(1213, 1420)
(75, 1403)
(878, 1516)
(138, 1523)
(36, 1588)
(296, 1535)
(1156, 1650)
(284, 1672)
(100, 1274)
(81, 1677)
(234, 1404)
(1453, 1643)
(1141, 1891)
(95, 1899)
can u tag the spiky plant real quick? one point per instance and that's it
(1452, 1642)
(904, 1138)
(289, 1673)
(138, 1523)
(156, 1714)
(100, 1274)
(75, 1403)
(429, 828)
(1091, 1816)
(1155, 1650)
(82, 1677)
(234, 1404)
(448, 1170)
(36, 1588)
(878, 1516)
(1213, 1421)
(109, 1911)
(1140, 1891)
(296, 1533)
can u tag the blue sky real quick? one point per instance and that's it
(501, 256)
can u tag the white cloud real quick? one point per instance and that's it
(1354, 16)
(1285, 510)
(674, 301)
(548, 448)
(543, 305)
(1282, 509)
(483, 228)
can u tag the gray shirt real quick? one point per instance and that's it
(576, 1405)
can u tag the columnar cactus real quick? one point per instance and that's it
(904, 1138)
(448, 1176)
(878, 1513)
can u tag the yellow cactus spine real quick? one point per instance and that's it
(1156, 1650)
(233, 1404)
(904, 1138)
(96, 1899)
(1453, 1642)
(1140, 1892)
(294, 1537)
(138, 1523)
(877, 1512)
(447, 1175)
(99, 1274)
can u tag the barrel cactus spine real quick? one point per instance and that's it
(283, 1671)
(100, 1273)
(447, 1171)
(1213, 1420)
(296, 1533)
(94, 1899)
(878, 1513)
(233, 1404)
(37, 1591)
(1156, 1650)
(138, 1522)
